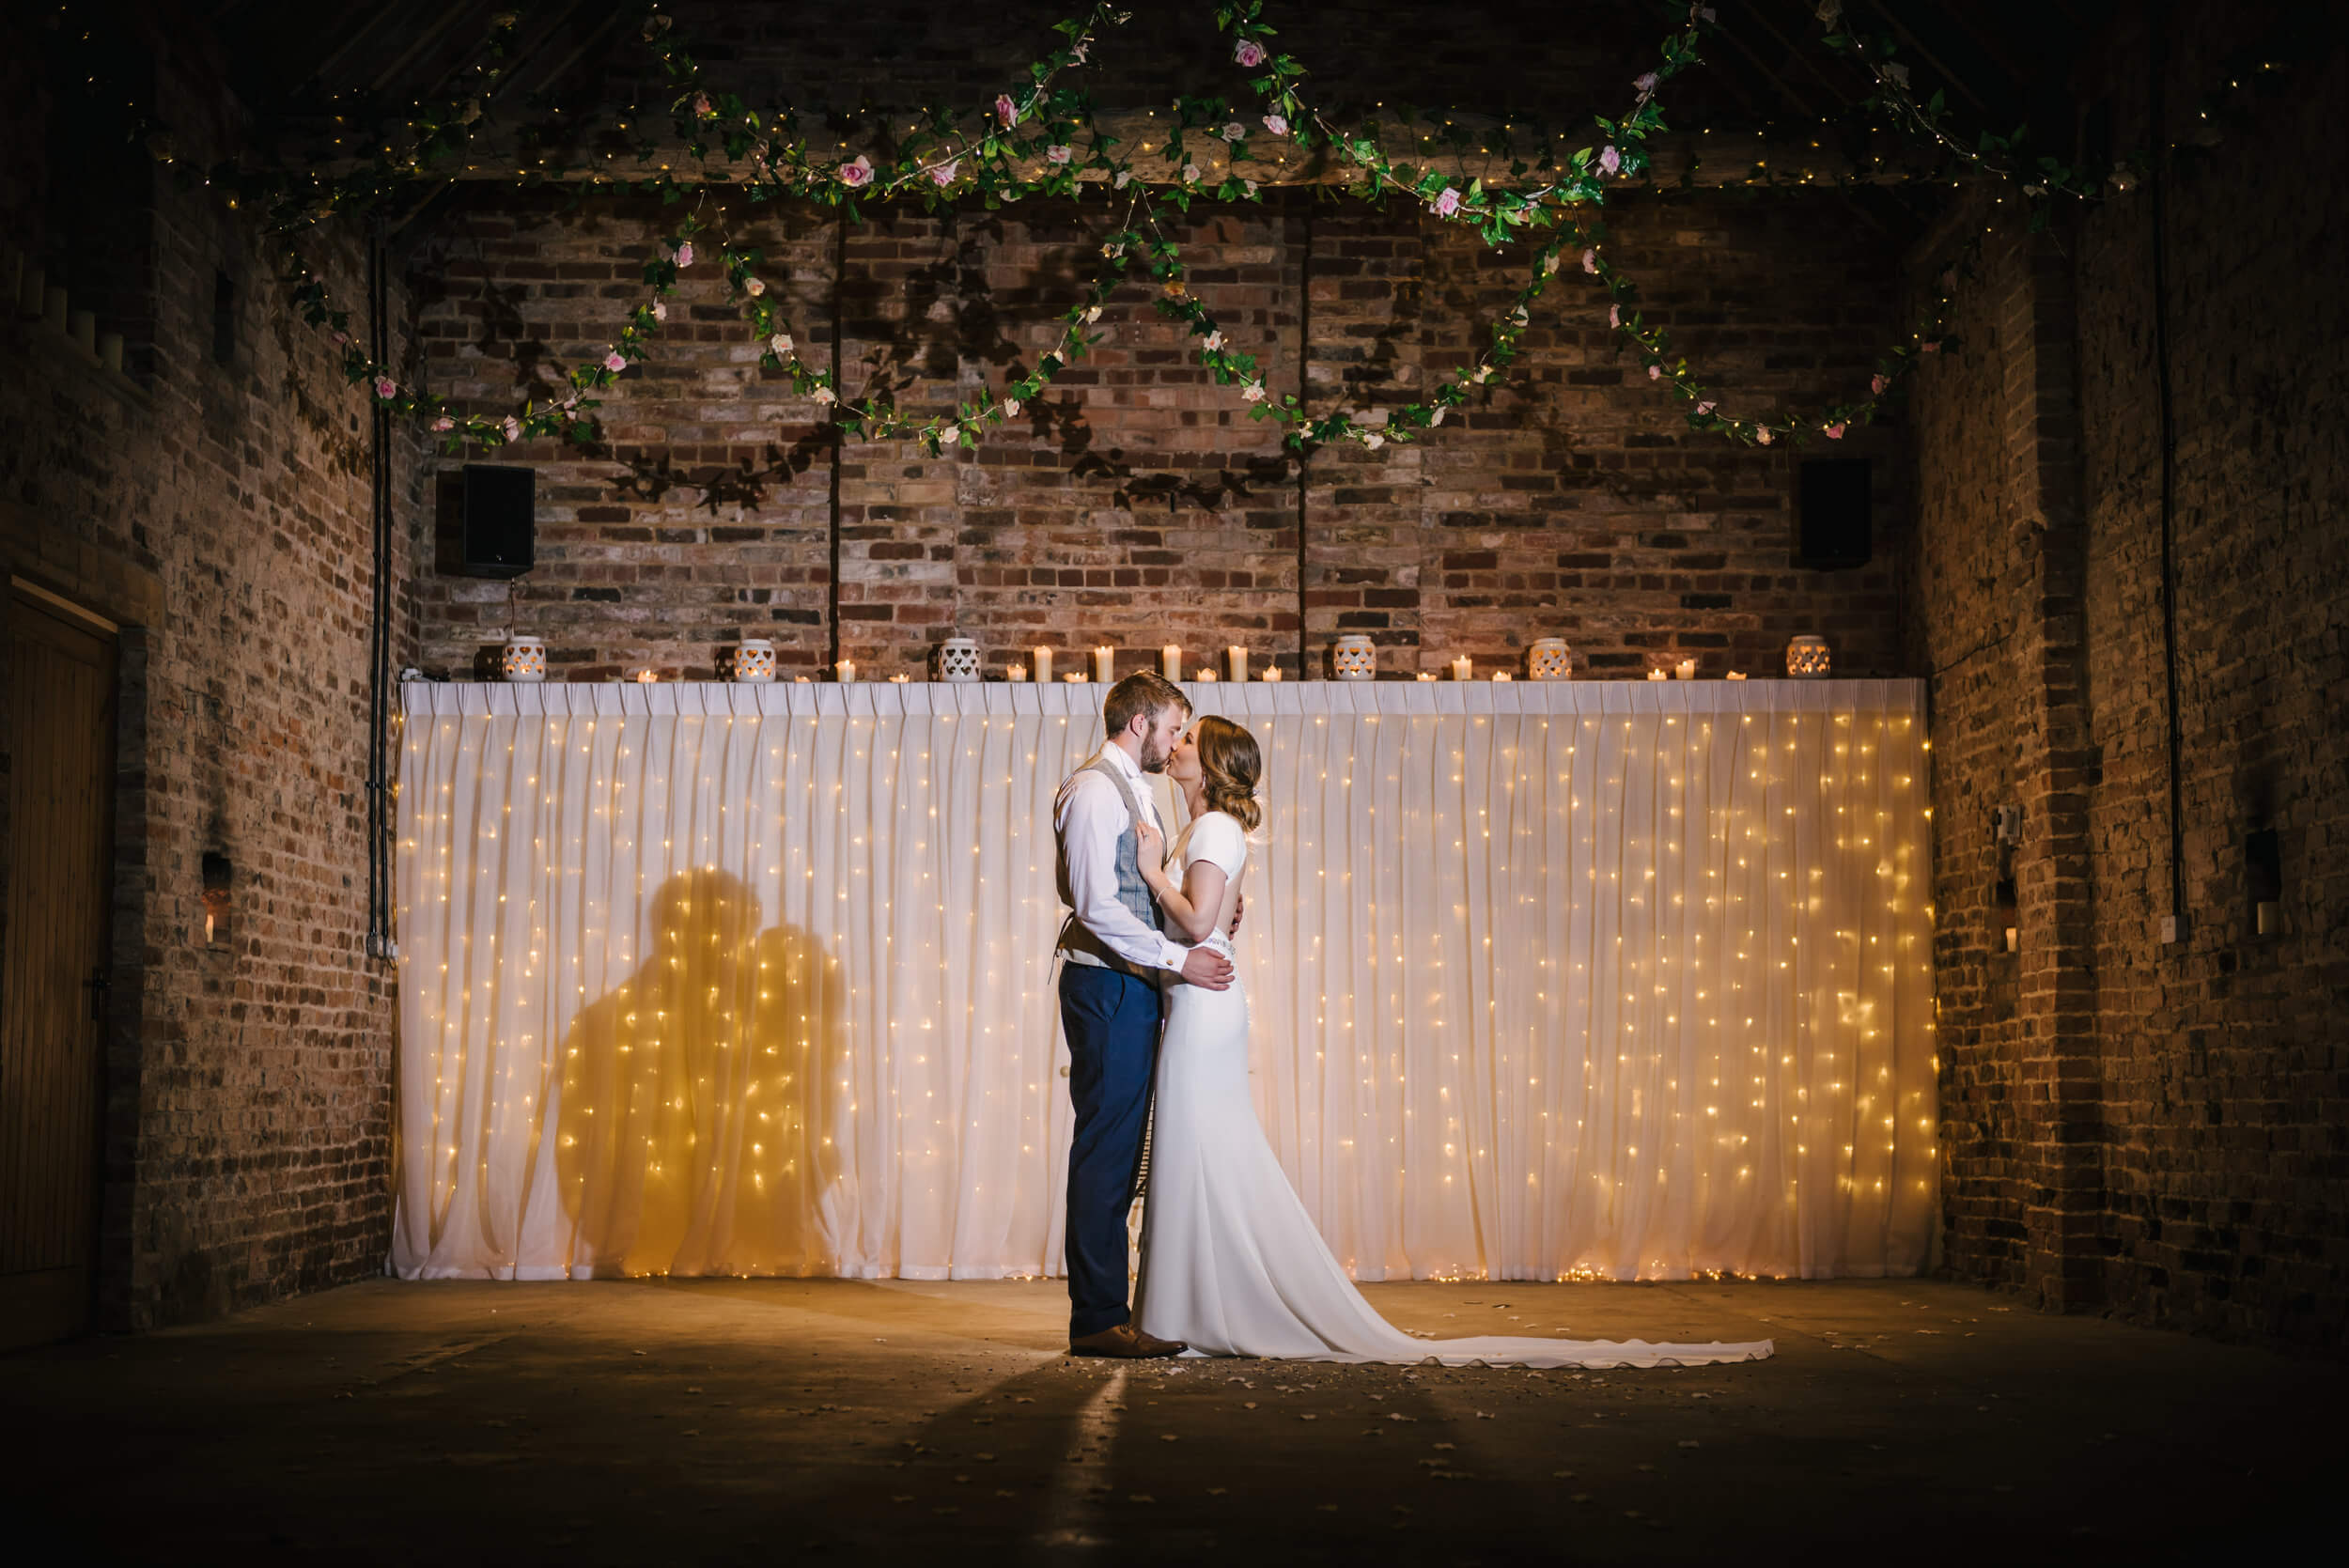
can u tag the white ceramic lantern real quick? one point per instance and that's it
(1549, 658)
(755, 662)
(1807, 656)
(525, 658)
(1354, 656)
(958, 659)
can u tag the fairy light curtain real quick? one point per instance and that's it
(1623, 979)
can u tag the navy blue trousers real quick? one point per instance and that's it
(1111, 1021)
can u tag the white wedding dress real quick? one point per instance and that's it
(1231, 1262)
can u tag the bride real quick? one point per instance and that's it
(1231, 1263)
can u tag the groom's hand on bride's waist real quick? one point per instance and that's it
(1207, 968)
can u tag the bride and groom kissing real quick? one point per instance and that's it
(1156, 1016)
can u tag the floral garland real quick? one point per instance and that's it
(1028, 143)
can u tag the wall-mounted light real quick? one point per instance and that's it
(2263, 879)
(217, 874)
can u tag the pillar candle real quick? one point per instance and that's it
(1044, 666)
(845, 670)
(1462, 667)
(1171, 661)
(1686, 669)
(1657, 674)
(1016, 672)
(1237, 656)
(1105, 665)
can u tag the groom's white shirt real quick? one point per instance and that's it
(1089, 818)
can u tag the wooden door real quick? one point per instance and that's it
(53, 964)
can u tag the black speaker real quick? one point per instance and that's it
(1831, 517)
(498, 527)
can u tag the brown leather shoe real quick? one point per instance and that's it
(1127, 1343)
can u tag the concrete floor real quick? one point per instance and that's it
(759, 1422)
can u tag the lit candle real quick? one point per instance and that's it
(899, 679)
(1427, 674)
(1075, 677)
(1105, 664)
(1657, 674)
(2013, 939)
(1044, 666)
(1462, 667)
(1016, 672)
(647, 676)
(1171, 661)
(800, 679)
(1237, 656)
(845, 670)
(1686, 669)
(1204, 675)
(1500, 675)
(1273, 672)
(1736, 674)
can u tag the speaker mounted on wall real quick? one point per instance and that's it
(1832, 522)
(498, 520)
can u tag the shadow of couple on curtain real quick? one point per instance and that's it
(695, 1132)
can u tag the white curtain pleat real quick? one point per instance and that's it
(1618, 979)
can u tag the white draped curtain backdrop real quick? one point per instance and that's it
(1626, 980)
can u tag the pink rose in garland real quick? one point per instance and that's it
(615, 362)
(1645, 83)
(444, 422)
(1762, 434)
(1006, 110)
(1707, 406)
(701, 106)
(1249, 54)
(1834, 431)
(1654, 372)
(1447, 202)
(386, 388)
(1056, 153)
(1590, 262)
(1277, 124)
(1877, 383)
(512, 428)
(943, 174)
(1931, 347)
(857, 174)
(1609, 161)
(685, 254)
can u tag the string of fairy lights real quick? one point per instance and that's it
(716, 980)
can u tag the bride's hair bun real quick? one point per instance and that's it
(1231, 767)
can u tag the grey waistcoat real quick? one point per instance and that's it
(1077, 941)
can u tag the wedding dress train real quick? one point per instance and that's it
(1232, 1264)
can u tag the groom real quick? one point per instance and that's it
(1114, 956)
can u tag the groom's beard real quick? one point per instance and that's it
(1154, 762)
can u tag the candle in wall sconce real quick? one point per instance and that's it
(1236, 657)
(1015, 673)
(1685, 670)
(1043, 666)
(1463, 667)
(844, 670)
(2013, 939)
(1105, 664)
(2267, 917)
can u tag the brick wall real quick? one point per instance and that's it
(1136, 502)
(221, 512)
(2135, 1127)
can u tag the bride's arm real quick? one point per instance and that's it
(1190, 906)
